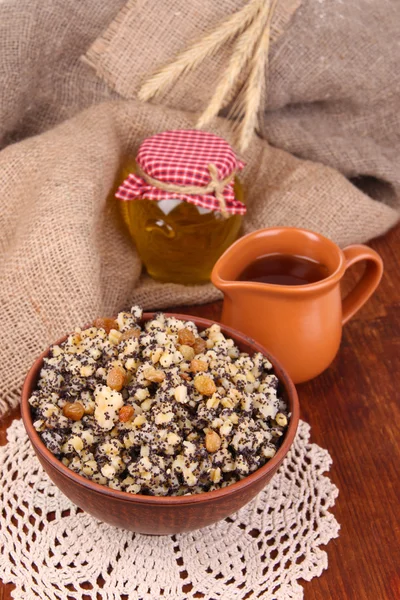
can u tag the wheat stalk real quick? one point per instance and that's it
(195, 54)
(249, 102)
(241, 56)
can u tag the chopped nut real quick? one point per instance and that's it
(130, 333)
(205, 385)
(185, 376)
(281, 419)
(114, 337)
(163, 418)
(90, 467)
(173, 439)
(186, 337)
(73, 411)
(131, 364)
(89, 408)
(166, 359)
(151, 374)
(139, 420)
(199, 345)
(180, 394)
(108, 471)
(145, 451)
(116, 378)
(197, 365)
(234, 418)
(187, 352)
(213, 441)
(87, 370)
(226, 428)
(126, 413)
(213, 402)
(147, 404)
(227, 402)
(215, 475)
(142, 394)
(106, 324)
(250, 377)
(268, 451)
(95, 353)
(76, 442)
(155, 357)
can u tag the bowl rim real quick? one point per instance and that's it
(96, 488)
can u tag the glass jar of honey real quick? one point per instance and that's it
(183, 203)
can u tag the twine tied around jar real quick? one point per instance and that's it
(216, 186)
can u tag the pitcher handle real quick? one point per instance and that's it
(368, 282)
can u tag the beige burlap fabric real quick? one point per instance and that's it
(64, 254)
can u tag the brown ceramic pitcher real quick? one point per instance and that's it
(301, 325)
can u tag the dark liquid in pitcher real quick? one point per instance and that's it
(284, 269)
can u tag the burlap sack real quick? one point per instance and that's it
(64, 254)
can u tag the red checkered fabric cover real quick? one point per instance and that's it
(181, 158)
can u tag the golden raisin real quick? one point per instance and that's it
(205, 385)
(185, 376)
(199, 345)
(186, 337)
(73, 410)
(126, 413)
(116, 378)
(151, 374)
(131, 333)
(106, 323)
(196, 365)
(186, 351)
(213, 441)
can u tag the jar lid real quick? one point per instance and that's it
(195, 166)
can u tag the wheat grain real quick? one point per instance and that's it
(240, 58)
(195, 54)
(254, 87)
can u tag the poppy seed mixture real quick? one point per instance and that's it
(158, 407)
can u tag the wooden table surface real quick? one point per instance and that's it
(353, 410)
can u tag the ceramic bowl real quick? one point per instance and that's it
(162, 515)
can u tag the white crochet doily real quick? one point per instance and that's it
(53, 551)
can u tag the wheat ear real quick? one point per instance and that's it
(241, 56)
(254, 87)
(196, 53)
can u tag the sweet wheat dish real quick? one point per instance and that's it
(159, 407)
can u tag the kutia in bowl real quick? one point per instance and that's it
(159, 423)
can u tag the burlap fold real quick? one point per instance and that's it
(65, 257)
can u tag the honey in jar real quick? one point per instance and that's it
(183, 203)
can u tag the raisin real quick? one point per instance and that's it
(131, 333)
(205, 385)
(197, 365)
(126, 413)
(213, 441)
(73, 410)
(186, 337)
(199, 345)
(151, 374)
(106, 323)
(116, 378)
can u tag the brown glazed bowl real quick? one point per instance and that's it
(172, 514)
